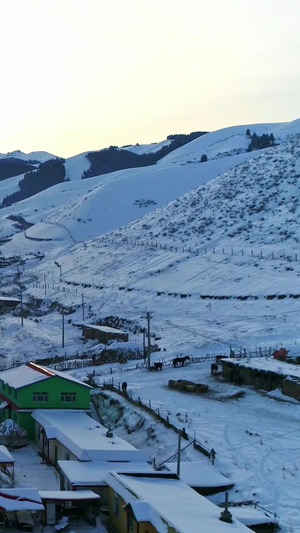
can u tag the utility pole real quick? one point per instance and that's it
(144, 344)
(45, 284)
(148, 318)
(63, 330)
(178, 453)
(22, 323)
(82, 300)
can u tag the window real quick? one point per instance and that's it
(116, 506)
(40, 396)
(68, 396)
(130, 522)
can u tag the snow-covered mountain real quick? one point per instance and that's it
(93, 207)
(39, 156)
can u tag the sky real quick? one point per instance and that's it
(80, 76)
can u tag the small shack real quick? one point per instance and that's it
(69, 504)
(103, 334)
(6, 302)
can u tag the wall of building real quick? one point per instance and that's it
(291, 387)
(25, 398)
(120, 522)
(52, 449)
(54, 387)
(103, 336)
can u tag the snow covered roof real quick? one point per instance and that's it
(30, 373)
(199, 474)
(20, 499)
(5, 455)
(9, 299)
(173, 504)
(269, 365)
(105, 329)
(71, 495)
(94, 472)
(250, 516)
(84, 437)
(142, 511)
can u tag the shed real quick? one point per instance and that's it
(103, 334)
(6, 302)
(68, 503)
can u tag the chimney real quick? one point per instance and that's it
(226, 516)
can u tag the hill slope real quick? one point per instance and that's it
(88, 208)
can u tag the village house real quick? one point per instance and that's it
(74, 436)
(84, 451)
(28, 387)
(6, 302)
(156, 502)
(103, 334)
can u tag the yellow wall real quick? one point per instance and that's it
(120, 523)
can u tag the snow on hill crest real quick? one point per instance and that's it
(93, 207)
(39, 156)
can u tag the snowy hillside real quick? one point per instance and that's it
(227, 248)
(93, 207)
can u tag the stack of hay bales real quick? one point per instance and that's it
(184, 385)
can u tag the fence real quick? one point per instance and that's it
(156, 413)
(260, 254)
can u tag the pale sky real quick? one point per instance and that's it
(81, 75)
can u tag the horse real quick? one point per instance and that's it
(213, 369)
(158, 366)
(181, 360)
(124, 387)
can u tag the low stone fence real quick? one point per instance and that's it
(156, 414)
